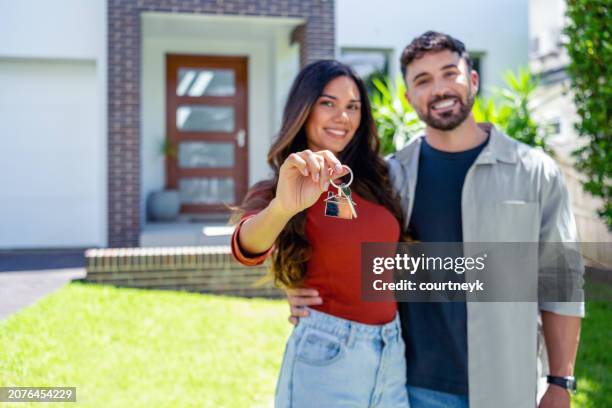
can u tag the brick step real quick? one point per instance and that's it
(246, 282)
(197, 269)
(180, 274)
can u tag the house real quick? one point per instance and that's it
(91, 89)
(554, 107)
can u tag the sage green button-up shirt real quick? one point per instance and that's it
(512, 193)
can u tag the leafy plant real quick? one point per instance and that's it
(589, 47)
(510, 109)
(167, 148)
(396, 121)
(515, 115)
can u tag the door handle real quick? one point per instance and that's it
(241, 138)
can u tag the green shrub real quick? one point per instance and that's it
(510, 109)
(590, 50)
(396, 121)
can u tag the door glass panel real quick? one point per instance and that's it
(206, 154)
(207, 190)
(205, 82)
(205, 118)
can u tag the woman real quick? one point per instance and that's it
(347, 352)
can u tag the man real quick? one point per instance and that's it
(465, 182)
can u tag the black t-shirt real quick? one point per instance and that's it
(436, 333)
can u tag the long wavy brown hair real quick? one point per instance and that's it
(371, 178)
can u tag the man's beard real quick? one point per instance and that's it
(448, 120)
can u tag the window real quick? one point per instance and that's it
(477, 64)
(369, 63)
(534, 46)
(553, 127)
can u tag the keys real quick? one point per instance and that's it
(341, 205)
(346, 192)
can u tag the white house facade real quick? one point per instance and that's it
(554, 107)
(92, 89)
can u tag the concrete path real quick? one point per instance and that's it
(22, 289)
(26, 277)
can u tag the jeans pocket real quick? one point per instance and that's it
(319, 348)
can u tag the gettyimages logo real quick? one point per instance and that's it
(412, 264)
(473, 272)
(406, 264)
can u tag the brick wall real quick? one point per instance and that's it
(195, 269)
(316, 40)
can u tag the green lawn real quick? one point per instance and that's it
(594, 361)
(129, 348)
(124, 347)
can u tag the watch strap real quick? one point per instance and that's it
(568, 383)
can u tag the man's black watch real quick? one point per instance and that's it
(569, 383)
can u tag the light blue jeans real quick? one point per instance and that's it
(334, 362)
(426, 398)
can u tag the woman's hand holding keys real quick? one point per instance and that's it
(303, 177)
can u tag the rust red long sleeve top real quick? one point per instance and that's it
(334, 268)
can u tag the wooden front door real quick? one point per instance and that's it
(207, 131)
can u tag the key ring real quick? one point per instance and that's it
(349, 182)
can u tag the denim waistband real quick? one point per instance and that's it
(345, 328)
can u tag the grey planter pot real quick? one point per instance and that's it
(164, 205)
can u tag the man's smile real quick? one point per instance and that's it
(444, 105)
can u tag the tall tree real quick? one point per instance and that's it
(589, 47)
